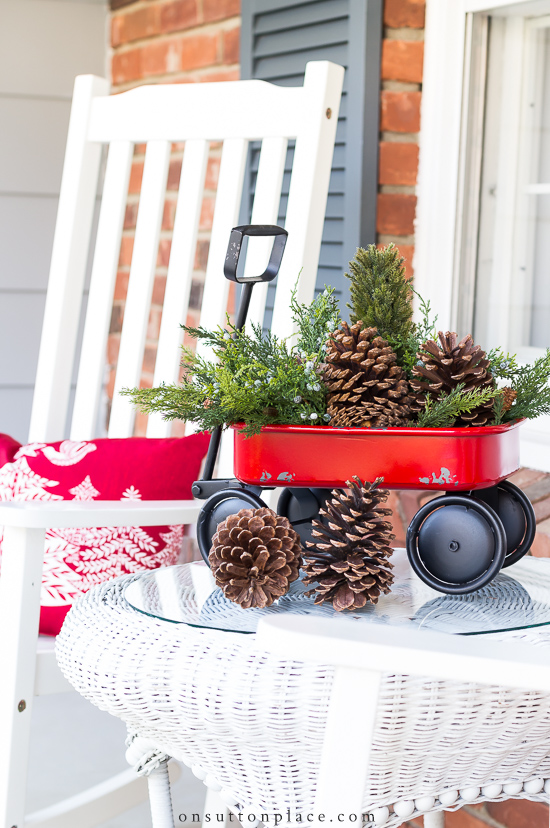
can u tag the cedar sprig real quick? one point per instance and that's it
(315, 323)
(533, 391)
(442, 412)
(254, 377)
(503, 366)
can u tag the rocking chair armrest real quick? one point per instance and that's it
(110, 513)
(397, 650)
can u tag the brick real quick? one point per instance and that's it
(524, 477)
(395, 214)
(201, 255)
(542, 509)
(407, 251)
(207, 213)
(195, 295)
(113, 347)
(174, 173)
(163, 258)
(402, 14)
(398, 163)
(168, 214)
(539, 489)
(135, 25)
(409, 502)
(140, 425)
(130, 216)
(402, 60)
(212, 174)
(398, 529)
(541, 546)
(117, 316)
(159, 289)
(111, 384)
(400, 111)
(464, 819)
(153, 326)
(161, 57)
(126, 250)
(220, 9)
(519, 813)
(200, 50)
(220, 75)
(178, 15)
(231, 45)
(149, 359)
(121, 285)
(136, 177)
(126, 66)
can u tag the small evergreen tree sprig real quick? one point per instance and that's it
(381, 294)
(531, 383)
(381, 297)
(443, 412)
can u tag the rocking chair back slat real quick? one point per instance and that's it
(140, 286)
(234, 113)
(68, 267)
(102, 286)
(180, 273)
(226, 216)
(265, 210)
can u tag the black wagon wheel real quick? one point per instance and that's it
(301, 506)
(456, 544)
(517, 515)
(218, 507)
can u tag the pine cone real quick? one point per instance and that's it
(348, 560)
(255, 556)
(447, 365)
(365, 386)
(508, 397)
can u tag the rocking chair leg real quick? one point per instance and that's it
(436, 819)
(160, 798)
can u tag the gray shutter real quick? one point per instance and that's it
(278, 38)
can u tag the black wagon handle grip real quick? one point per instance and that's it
(235, 246)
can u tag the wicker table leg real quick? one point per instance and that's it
(160, 798)
(434, 820)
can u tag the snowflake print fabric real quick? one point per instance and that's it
(128, 470)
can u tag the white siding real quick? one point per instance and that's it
(44, 44)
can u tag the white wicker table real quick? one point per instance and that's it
(251, 724)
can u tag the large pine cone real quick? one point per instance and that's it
(448, 364)
(347, 561)
(366, 387)
(255, 556)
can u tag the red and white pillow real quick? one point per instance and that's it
(136, 468)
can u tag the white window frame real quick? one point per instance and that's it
(446, 229)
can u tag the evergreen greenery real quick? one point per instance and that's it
(380, 292)
(533, 391)
(503, 366)
(442, 412)
(254, 377)
(381, 297)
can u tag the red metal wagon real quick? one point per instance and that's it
(456, 543)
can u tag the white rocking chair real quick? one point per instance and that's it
(235, 113)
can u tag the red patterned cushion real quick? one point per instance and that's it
(137, 468)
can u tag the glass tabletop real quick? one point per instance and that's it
(518, 598)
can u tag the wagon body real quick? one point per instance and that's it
(448, 459)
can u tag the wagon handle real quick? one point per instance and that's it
(230, 272)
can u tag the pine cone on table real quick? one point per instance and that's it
(366, 388)
(255, 556)
(446, 365)
(348, 560)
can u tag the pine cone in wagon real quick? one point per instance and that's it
(448, 364)
(347, 562)
(366, 388)
(255, 556)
